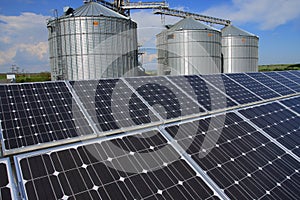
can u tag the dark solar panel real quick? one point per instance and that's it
(271, 83)
(277, 121)
(112, 105)
(290, 76)
(232, 89)
(284, 81)
(39, 114)
(295, 72)
(293, 104)
(6, 186)
(238, 158)
(140, 166)
(206, 95)
(254, 86)
(169, 101)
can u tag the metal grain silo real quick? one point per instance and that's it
(162, 53)
(240, 50)
(92, 42)
(192, 48)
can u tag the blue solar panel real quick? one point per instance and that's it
(284, 81)
(254, 86)
(293, 104)
(290, 76)
(40, 114)
(241, 160)
(232, 89)
(271, 83)
(135, 166)
(206, 95)
(296, 73)
(277, 121)
(112, 105)
(166, 99)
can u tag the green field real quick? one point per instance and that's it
(46, 76)
(34, 77)
(279, 67)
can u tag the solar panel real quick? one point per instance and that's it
(38, 115)
(277, 121)
(166, 98)
(271, 83)
(254, 86)
(285, 81)
(238, 158)
(296, 73)
(290, 76)
(112, 105)
(232, 89)
(7, 187)
(136, 166)
(292, 103)
(206, 95)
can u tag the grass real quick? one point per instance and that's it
(34, 77)
(46, 76)
(280, 67)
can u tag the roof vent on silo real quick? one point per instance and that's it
(86, 1)
(68, 10)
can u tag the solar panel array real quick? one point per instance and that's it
(240, 159)
(142, 166)
(7, 186)
(40, 114)
(228, 136)
(112, 105)
(169, 101)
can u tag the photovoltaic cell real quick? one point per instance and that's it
(205, 94)
(6, 185)
(284, 81)
(39, 114)
(238, 158)
(296, 73)
(232, 89)
(277, 121)
(290, 76)
(167, 100)
(292, 103)
(112, 105)
(254, 86)
(141, 166)
(271, 83)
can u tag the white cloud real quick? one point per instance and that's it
(24, 36)
(269, 14)
(149, 25)
(40, 50)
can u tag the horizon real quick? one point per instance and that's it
(24, 35)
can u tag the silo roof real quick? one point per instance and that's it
(234, 31)
(190, 24)
(95, 9)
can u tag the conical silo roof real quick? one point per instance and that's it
(234, 31)
(190, 24)
(91, 9)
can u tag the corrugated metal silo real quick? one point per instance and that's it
(162, 52)
(240, 50)
(92, 42)
(193, 48)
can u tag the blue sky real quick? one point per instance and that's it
(23, 32)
